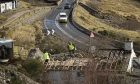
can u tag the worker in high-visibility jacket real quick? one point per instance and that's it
(46, 57)
(71, 48)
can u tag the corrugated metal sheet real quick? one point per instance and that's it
(7, 5)
(2, 7)
(3, 1)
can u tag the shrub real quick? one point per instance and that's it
(94, 29)
(103, 32)
(16, 80)
(83, 18)
(137, 41)
(33, 67)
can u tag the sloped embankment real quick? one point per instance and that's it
(10, 74)
(89, 20)
(125, 14)
(6, 16)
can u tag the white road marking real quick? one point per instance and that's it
(48, 32)
(52, 31)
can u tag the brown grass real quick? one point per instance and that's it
(90, 22)
(31, 36)
(2, 18)
(120, 7)
(24, 4)
(25, 35)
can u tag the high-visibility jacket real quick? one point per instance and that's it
(71, 47)
(46, 56)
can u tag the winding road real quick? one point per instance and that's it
(70, 33)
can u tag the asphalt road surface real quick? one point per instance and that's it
(70, 33)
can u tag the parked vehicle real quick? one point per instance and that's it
(63, 17)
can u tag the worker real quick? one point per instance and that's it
(46, 57)
(71, 48)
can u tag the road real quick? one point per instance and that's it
(70, 33)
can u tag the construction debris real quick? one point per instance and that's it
(70, 64)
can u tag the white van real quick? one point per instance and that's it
(63, 17)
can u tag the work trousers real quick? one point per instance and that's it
(71, 52)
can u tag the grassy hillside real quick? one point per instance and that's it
(122, 7)
(22, 6)
(109, 9)
(119, 13)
